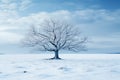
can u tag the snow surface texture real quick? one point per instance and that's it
(72, 67)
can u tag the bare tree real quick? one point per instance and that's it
(54, 36)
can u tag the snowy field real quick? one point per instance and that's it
(72, 67)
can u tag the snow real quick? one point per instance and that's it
(72, 67)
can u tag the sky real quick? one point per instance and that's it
(99, 20)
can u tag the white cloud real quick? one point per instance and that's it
(9, 37)
(11, 8)
(84, 17)
(9, 27)
(105, 42)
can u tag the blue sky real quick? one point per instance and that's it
(71, 5)
(97, 19)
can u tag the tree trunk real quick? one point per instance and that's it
(56, 56)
